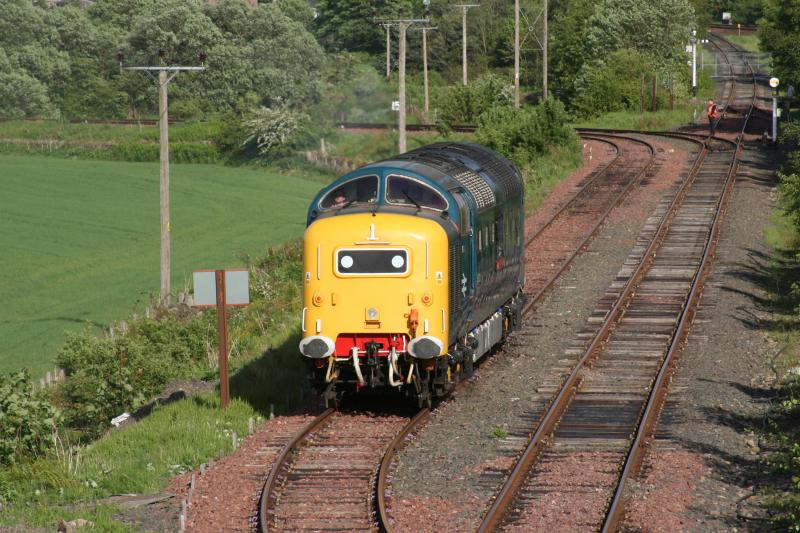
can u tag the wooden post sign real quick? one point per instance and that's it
(221, 289)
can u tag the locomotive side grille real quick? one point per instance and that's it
(454, 261)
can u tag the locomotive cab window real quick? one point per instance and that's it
(406, 191)
(358, 190)
(372, 262)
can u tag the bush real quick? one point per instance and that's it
(615, 84)
(27, 421)
(108, 376)
(523, 134)
(274, 132)
(464, 104)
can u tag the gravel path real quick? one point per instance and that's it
(460, 459)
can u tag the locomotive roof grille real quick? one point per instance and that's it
(478, 188)
(474, 167)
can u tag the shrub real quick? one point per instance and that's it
(273, 132)
(108, 376)
(464, 104)
(523, 134)
(614, 84)
(27, 420)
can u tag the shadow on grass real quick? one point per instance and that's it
(276, 381)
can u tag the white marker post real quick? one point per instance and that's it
(220, 289)
(774, 82)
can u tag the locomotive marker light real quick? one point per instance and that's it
(222, 289)
(774, 82)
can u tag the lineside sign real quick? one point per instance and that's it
(221, 289)
(237, 289)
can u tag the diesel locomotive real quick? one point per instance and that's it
(413, 270)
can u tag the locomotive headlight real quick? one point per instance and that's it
(398, 261)
(346, 261)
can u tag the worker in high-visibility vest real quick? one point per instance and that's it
(711, 113)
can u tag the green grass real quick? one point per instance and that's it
(633, 120)
(177, 439)
(751, 43)
(104, 133)
(548, 171)
(80, 239)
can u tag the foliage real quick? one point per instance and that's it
(27, 420)
(72, 52)
(523, 134)
(273, 132)
(569, 28)
(657, 30)
(779, 32)
(615, 84)
(23, 96)
(107, 376)
(464, 104)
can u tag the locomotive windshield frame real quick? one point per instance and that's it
(399, 191)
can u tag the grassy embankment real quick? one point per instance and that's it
(81, 239)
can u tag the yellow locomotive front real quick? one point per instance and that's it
(375, 293)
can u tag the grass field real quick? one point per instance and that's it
(80, 239)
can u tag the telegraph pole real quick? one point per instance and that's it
(403, 25)
(516, 53)
(388, 49)
(464, 9)
(544, 55)
(425, 31)
(165, 75)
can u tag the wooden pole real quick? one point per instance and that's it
(425, 64)
(388, 50)
(163, 122)
(401, 116)
(544, 55)
(655, 94)
(516, 53)
(222, 329)
(641, 94)
(464, 43)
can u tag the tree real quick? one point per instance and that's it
(779, 32)
(568, 35)
(22, 96)
(659, 30)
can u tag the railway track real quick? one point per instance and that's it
(355, 492)
(592, 438)
(327, 477)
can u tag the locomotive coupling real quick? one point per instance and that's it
(425, 347)
(317, 347)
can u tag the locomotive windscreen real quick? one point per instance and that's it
(373, 261)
